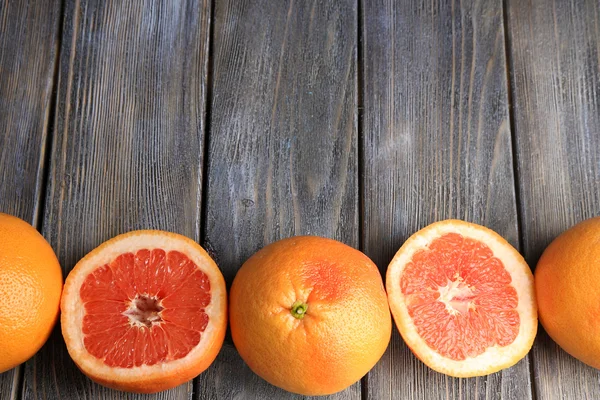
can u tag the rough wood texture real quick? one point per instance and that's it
(283, 144)
(127, 149)
(437, 145)
(555, 52)
(28, 49)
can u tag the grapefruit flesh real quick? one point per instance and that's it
(144, 312)
(463, 299)
(140, 321)
(460, 297)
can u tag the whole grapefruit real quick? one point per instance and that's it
(309, 315)
(567, 283)
(30, 288)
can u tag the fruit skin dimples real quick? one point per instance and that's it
(30, 288)
(463, 299)
(144, 312)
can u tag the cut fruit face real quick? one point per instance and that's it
(144, 312)
(463, 299)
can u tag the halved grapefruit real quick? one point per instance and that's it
(144, 312)
(463, 299)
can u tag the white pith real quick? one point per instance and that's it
(494, 358)
(132, 312)
(452, 290)
(73, 306)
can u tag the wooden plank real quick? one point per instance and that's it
(555, 52)
(28, 50)
(283, 144)
(437, 145)
(127, 149)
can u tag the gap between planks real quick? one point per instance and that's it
(44, 167)
(364, 382)
(515, 162)
(208, 95)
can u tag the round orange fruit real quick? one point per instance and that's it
(463, 299)
(309, 315)
(30, 287)
(567, 283)
(144, 312)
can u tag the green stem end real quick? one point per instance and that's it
(299, 309)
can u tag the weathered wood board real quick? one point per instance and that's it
(555, 79)
(437, 145)
(282, 157)
(28, 50)
(127, 148)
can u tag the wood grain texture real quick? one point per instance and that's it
(437, 145)
(283, 144)
(555, 53)
(28, 49)
(127, 148)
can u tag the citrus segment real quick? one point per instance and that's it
(145, 311)
(462, 298)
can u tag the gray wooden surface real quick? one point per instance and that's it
(282, 155)
(28, 49)
(555, 75)
(239, 122)
(127, 150)
(437, 145)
